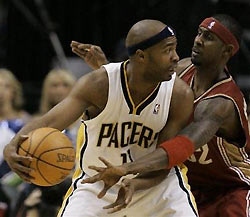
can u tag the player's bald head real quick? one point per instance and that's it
(143, 30)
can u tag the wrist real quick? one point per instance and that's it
(126, 169)
(178, 150)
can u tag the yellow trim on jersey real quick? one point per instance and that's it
(79, 142)
(184, 170)
(129, 95)
(69, 192)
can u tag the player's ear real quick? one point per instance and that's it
(228, 51)
(140, 54)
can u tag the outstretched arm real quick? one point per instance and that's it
(209, 116)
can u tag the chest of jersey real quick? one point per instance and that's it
(123, 129)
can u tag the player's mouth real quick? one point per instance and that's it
(172, 69)
(195, 51)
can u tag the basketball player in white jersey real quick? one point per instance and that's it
(137, 104)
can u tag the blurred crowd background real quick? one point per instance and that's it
(38, 68)
(29, 30)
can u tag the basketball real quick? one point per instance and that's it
(53, 156)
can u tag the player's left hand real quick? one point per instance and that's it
(124, 197)
(110, 175)
(17, 162)
(91, 54)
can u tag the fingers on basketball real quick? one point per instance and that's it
(23, 138)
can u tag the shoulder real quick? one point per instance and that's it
(94, 80)
(96, 77)
(217, 106)
(92, 87)
(183, 64)
(182, 97)
(220, 112)
(181, 108)
(181, 89)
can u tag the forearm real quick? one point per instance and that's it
(34, 124)
(148, 180)
(154, 161)
(209, 116)
(195, 135)
(176, 150)
(200, 133)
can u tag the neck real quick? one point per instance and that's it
(137, 79)
(207, 76)
(139, 87)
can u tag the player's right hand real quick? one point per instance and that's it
(91, 54)
(16, 162)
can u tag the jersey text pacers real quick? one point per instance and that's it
(118, 134)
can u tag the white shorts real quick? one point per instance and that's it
(171, 198)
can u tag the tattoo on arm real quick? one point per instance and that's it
(209, 116)
(156, 160)
(207, 120)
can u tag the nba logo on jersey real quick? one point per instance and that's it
(156, 109)
(211, 25)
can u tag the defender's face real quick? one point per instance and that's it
(207, 48)
(163, 59)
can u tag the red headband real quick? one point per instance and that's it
(221, 31)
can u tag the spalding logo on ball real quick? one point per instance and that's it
(53, 155)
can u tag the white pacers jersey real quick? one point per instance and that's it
(123, 133)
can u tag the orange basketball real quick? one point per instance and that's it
(53, 155)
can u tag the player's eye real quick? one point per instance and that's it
(208, 36)
(167, 50)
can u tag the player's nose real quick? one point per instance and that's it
(175, 57)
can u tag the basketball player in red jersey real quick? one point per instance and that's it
(219, 170)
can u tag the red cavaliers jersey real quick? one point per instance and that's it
(220, 163)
